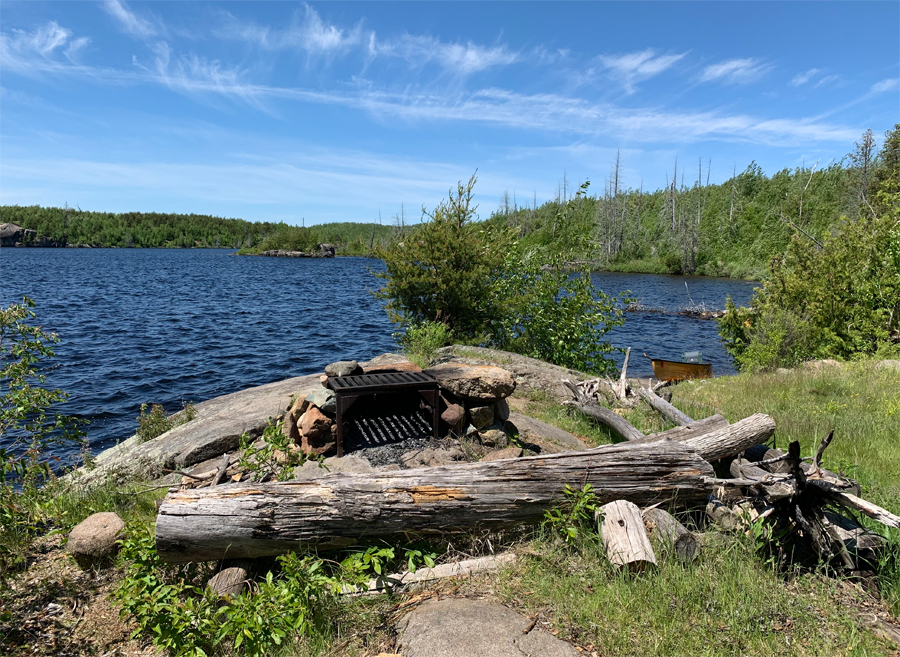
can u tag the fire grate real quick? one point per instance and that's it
(378, 431)
(378, 428)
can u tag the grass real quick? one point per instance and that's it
(728, 602)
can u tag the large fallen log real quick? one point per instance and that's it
(733, 439)
(693, 430)
(602, 414)
(246, 521)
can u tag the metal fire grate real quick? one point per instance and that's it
(379, 429)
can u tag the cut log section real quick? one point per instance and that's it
(246, 521)
(232, 578)
(669, 534)
(664, 408)
(625, 537)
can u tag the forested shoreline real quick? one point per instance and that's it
(689, 226)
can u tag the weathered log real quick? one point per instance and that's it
(245, 521)
(733, 439)
(664, 408)
(768, 485)
(667, 532)
(874, 511)
(621, 386)
(603, 415)
(693, 430)
(232, 578)
(775, 460)
(625, 537)
(462, 568)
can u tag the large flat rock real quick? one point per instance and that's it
(217, 429)
(461, 627)
(531, 375)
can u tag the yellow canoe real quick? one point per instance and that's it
(673, 370)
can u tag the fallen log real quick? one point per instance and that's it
(733, 439)
(664, 408)
(625, 537)
(693, 430)
(463, 568)
(666, 532)
(247, 521)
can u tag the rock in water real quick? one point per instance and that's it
(486, 383)
(343, 368)
(94, 541)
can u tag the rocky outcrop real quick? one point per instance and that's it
(324, 251)
(94, 541)
(217, 429)
(15, 235)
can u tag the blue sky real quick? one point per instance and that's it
(338, 111)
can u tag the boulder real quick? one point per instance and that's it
(505, 453)
(486, 383)
(323, 398)
(94, 541)
(316, 436)
(289, 428)
(326, 251)
(343, 368)
(482, 416)
(454, 416)
(389, 363)
(494, 438)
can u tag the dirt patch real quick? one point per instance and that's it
(55, 608)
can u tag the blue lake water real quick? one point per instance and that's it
(170, 325)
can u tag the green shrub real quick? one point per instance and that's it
(155, 421)
(478, 282)
(422, 340)
(30, 427)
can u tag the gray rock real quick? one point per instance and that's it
(888, 365)
(531, 375)
(459, 627)
(548, 438)
(506, 453)
(216, 429)
(351, 463)
(94, 541)
(494, 438)
(323, 398)
(432, 457)
(482, 416)
(501, 410)
(343, 368)
(485, 383)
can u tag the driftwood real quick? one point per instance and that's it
(693, 430)
(603, 415)
(625, 537)
(664, 408)
(246, 521)
(669, 534)
(457, 569)
(621, 386)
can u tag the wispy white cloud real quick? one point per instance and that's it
(454, 57)
(735, 71)
(633, 67)
(129, 21)
(889, 84)
(802, 78)
(48, 48)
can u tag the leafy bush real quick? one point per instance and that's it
(835, 298)
(422, 340)
(273, 455)
(155, 421)
(29, 427)
(476, 280)
(574, 515)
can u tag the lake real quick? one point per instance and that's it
(172, 325)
